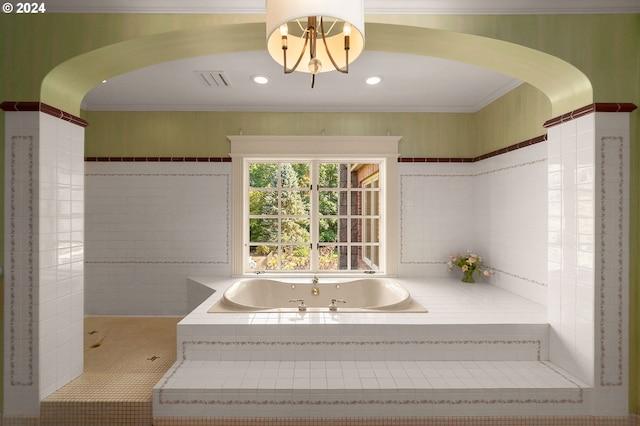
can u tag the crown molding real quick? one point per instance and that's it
(383, 7)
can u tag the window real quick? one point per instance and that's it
(314, 205)
(317, 216)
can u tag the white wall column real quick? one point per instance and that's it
(44, 255)
(588, 222)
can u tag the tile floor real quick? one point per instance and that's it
(124, 358)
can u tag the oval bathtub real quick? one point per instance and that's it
(359, 295)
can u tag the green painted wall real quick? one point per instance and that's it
(205, 133)
(606, 48)
(516, 117)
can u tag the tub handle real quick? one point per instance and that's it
(333, 306)
(301, 307)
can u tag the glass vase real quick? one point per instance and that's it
(467, 277)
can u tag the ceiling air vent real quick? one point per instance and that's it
(213, 79)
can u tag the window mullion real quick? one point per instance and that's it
(314, 219)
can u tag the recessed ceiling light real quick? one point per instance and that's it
(260, 79)
(372, 81)
(104, 81)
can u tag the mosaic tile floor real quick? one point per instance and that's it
(124, 358)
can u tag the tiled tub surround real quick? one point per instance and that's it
(479, 351)
(149, 225)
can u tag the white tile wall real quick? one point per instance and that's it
(44, 249)
(22, 139)
(61, 221)
(588, 250)
(149, 226)
(496, 207)
(611, 261)
(571, 244)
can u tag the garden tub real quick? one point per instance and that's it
(327, 295)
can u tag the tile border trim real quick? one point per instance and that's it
(588, 109)
(611, 292)
(21, 280)
(494, 420)
(10, 106)
(519, 145)
(158, 159)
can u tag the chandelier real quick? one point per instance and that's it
(329, 32)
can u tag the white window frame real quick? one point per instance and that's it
(381, 149)
(368, 231)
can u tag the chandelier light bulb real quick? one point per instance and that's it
(284, 29)
(315, 66)
(347, 29)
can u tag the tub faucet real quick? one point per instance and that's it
(333, 307)
(301, 307)
(314, 288)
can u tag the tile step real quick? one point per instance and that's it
(374, 375)
(212, 388)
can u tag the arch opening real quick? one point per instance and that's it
(566, 87)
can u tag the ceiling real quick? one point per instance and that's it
(410, 83)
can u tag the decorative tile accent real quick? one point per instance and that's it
(611, 304)
(160, 159)
(42, 107)
(597, 107)
(364, 344)
(520, 277)
(397, 421)
(500, 151)
(21, 243)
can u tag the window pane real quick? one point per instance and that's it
(328, 203)
(343, 257)
(263, 230)
(356, 203)
(263, 175)
(373, 256)
(344, 175)
(328, 175)
(295, 258)
(328, 258)
(263, 202)
(370, 231)
(263, 258)
(294, 175)
(345, 221)
(295, 231)
(328, 230)
(294, 203)
(365, 257)
(343, 230)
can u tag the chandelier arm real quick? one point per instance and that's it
(304, 48)
(344, 70)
